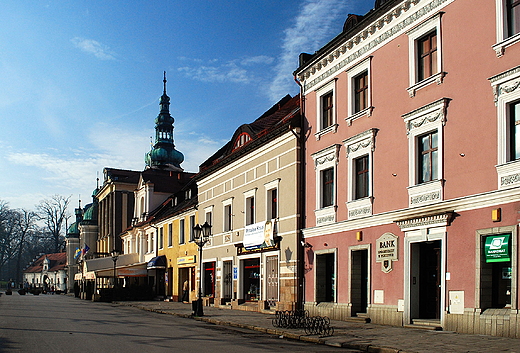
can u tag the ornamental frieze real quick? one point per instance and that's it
(431, 196)
(510, 179)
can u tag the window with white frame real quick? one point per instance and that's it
(326, 109)
(272, 199)
(170, 235)
(425, 128)
(360, 102)
(360, 150)
(228, 215)
(161, 237)
(506, 88)
(508, 24)
(425, 54)
(182, 229)
(208, 215)
(250, 207)
(325, 162)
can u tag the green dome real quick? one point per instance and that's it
(73, 231)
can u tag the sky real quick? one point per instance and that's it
(80, 81)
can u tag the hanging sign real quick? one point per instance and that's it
(496, 248)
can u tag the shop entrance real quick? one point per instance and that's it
(271, 272)
(184, 278)
(251, 279)
(325, 278)
(359, 281)
(227, 281)
(425, 284)
(209, 279)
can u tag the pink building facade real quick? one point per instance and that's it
(412, 167)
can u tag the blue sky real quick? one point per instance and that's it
(80, 81)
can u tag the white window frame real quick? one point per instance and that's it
(227, 202)
(247, 195)
(352, 74)
(357, 146)
(182, 231)
(208, 210)
(506, 89)
(320, 93)
(503, 40)
(161, 237)
(325, 159)
(170, 235)
(427, 119)
(432, 24)
(272, 185)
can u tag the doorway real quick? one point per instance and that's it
(227, 282)
(251, 279)
(325, 278)
(425, 282)
(271, 272)
(359, 281)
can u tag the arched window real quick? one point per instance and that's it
(241, 140)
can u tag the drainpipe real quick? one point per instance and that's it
(300, 301)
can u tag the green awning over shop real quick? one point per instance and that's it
(497, 248)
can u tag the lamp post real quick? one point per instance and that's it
(201, 236)
(115, 255)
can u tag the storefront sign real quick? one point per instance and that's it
(186, 260)
(496, 248)
(386, 247)
(259, 235)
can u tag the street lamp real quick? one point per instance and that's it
(115, 255)
(201, 236)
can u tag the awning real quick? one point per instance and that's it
(157, 262)
(136, 270)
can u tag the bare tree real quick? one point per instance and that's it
(53, 212)
(26, 225)
(7, 234)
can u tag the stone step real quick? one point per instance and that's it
(425, 324)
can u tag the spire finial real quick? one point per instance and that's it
(164, 81)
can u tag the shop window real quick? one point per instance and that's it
(251, 279)
(209, 279)
(496, 270)
(325, 277)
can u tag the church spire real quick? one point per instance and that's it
(163, 154)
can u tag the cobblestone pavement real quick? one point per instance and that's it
(353, 335)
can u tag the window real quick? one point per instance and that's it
(273, 204)
(361, 92)
(241, 140)
(250, 210)
(327, 187)
(228, 220)
(360, 149)
(182, 238)
(425, 128)
(508, 24)
(506, 89)
(428, 157)
(425, 54)
(192, 224)
(161, 237)
(514, 131)
(209, 217)
(325, 164)
(362, 177)
(325, 109)
(170, 235)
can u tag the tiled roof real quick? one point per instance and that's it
(57, 262)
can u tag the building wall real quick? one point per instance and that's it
(453, 211)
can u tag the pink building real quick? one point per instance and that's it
(413, 166)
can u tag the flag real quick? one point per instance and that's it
(85, 249)
(77, 253)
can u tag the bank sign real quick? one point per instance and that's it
(386, 247)
(496, 248)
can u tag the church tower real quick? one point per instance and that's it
(163, 155)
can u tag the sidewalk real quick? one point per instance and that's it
(353, 335)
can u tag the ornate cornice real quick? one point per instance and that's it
(430, 113)
(442, 219)
(370, 31)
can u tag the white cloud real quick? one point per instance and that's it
(312, 28)
(235, 71)
(94, 47)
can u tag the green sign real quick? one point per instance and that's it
(497, 248)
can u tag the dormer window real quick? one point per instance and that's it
(241, 140)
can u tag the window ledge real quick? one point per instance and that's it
(325, 215)
(500, 47)
(365, 112)
(437, 78)
(360, 208)
(425, 193)
(508, 175)
(333, 128)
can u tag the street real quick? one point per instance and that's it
(59, 323)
